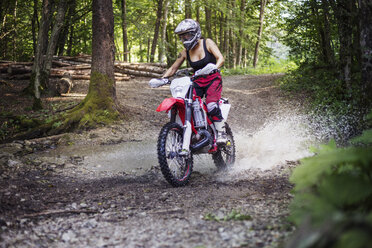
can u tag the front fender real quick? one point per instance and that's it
(168, 103)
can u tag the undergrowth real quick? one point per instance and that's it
(332, 106)
(333, 196)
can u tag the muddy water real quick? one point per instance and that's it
(129, 157)
(280, 140)
(124, 157)
(285, 138)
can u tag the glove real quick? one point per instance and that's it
(208, 69)
(157, 82)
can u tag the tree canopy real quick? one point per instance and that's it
(139, 26)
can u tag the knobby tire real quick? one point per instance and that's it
(167, 130)
(218, 159)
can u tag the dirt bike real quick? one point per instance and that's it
(190, 128)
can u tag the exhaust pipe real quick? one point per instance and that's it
(207, 140)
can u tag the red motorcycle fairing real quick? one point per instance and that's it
(168, 103)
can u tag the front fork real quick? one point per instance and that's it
(187, 127)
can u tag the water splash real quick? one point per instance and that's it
(285, 138)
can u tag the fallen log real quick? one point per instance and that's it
(25, 76)
(139, 67)
(8, 63)
(87, 77)
(64, 85)
(79, 68)
(75, 67)
(163, 65)
(60, 63)
(19, 69)
(137, 73)
(72, 72)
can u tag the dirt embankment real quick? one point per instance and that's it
(71, 199)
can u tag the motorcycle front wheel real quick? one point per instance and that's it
(224, 158)
(176, 169)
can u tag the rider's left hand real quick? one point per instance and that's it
(157, 82)
(206, 70)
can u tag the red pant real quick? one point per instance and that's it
(210, 86)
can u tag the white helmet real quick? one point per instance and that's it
(189, 32)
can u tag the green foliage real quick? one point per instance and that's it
(19, 28)
(234, 215)
(331, 104)
(10, 124)
(333, 190)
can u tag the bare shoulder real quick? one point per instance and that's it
(211, 45)
(209, 42)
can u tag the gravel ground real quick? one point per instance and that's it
(63, 202)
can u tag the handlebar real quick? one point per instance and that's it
(184, 72)
(158, 82)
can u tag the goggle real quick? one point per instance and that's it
(186, 36)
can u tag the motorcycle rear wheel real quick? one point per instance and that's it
(176, 169)
(224, 158)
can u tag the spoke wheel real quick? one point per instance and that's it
(176, 169)
(224, 158)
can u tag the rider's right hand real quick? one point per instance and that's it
(157, 82)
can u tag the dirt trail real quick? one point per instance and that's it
(64, 201)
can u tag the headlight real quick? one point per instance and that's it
(177, 92)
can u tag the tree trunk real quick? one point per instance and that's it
(239, 47)
(66, 27)
(343, 13)
(156, 31)
(208, 27)
(197, 12)
(103, 49)
(34, 24)
(15, 30)
(70, 41)
(188, 14)
(328, 50)
(366, 47)
(163, 42)
(100, 105)
(124, 28)
(230, 53)
(357, 53)
(221, 22)
(259, 33)
(57, 27)
(214, 28)
(225, 38)
(36, 77)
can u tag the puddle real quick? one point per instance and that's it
(129, 157)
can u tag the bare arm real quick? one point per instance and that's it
(170, 72)
(212, 48)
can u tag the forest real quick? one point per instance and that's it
(144, 30)
(74, 72)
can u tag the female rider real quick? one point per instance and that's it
(199, 53)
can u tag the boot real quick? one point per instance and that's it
(221, 135)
